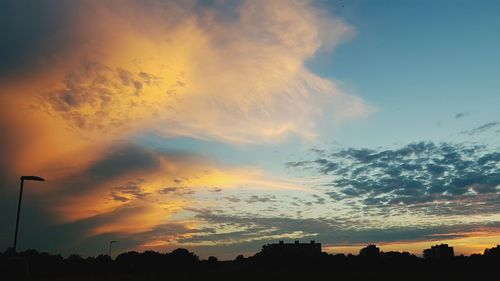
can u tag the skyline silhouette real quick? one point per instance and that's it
(313, 249)
(276, 260)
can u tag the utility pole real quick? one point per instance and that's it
(23, 178)
(110, 243)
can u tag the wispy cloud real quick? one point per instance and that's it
(481, 129)
(251, 232)
(461, 115)
(186, 71)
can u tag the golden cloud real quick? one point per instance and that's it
(180, 71)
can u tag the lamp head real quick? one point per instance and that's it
(32, 178)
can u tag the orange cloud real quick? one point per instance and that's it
(182, 72)
(155, 185)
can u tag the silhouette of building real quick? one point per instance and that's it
(493, 252)
(370, 251)
(442, 251)
(311, 249)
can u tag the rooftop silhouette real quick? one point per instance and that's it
(441, 251)
(493, 252)
(311, 249)
(370, 251)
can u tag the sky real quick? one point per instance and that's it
(220, 126)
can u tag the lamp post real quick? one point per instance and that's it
(23, 178)
(110, 243)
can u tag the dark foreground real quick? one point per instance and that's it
(183, 265)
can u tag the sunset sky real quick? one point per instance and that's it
(219, 126)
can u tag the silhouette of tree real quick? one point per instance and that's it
(182, 264)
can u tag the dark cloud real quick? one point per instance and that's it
(251, 227)
(326, 166)
(417, 175)
(461, 115)
(43, 230)
(123, 159)
(34, 33)
(176, 190)
(260, 199)
(129, 191)
(319, 152)
(481, 129)
(293, 164)
(232, 199)
(74, 237)
(319, 200)
(168, 190)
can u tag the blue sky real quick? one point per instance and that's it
(220, 126)
(420, 63)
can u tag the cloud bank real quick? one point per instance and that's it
(442, 179)
(233, 75)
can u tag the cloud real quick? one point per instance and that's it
(123, 159)
(168, 190)
(130, 189)
(249, 233)
(438, 179)
(261, 199)
(297, 164)
(481, 129)
(184, 70)
(461, 115)
(98, 98)
(131, 174)
(28, 36)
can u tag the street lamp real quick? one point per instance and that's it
(23, 178)
(110, 243)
